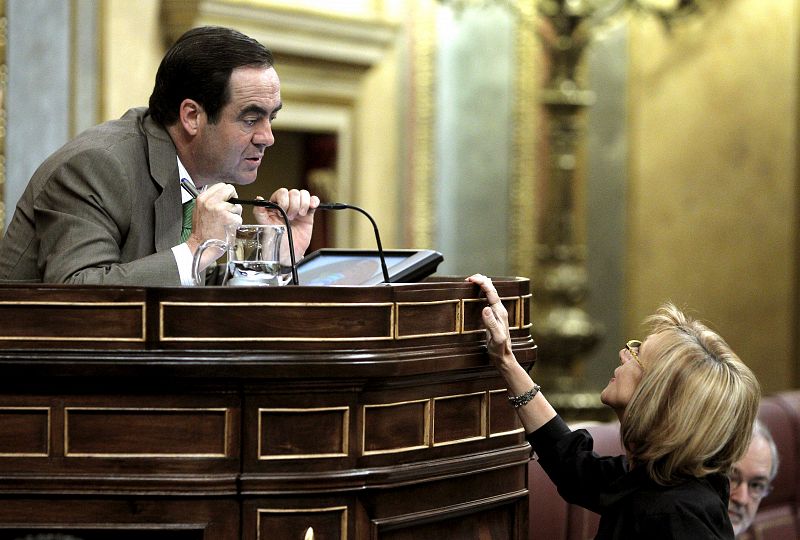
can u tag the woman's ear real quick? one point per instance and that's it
(191, 116)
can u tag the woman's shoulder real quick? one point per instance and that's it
(688, 492)
(691, 506)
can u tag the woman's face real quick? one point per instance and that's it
(627, 376)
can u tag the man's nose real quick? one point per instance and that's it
(739, 494)
(264, 136)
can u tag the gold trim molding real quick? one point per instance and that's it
(225, 443)
(331, 509)
(49, 441)
(345, 450)
(139, 339)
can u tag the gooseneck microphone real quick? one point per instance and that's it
(343, 206)
(322, 206)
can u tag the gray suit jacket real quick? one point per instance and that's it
(103, 209)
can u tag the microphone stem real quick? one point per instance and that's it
(343, 206)
(378, 242)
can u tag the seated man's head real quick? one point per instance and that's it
(751, 478)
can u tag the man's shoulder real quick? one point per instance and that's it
(128, 138)
(111, 132)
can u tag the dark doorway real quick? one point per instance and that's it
(302, 160)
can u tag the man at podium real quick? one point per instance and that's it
(108, 208)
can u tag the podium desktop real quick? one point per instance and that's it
(362, 267)
(221, 413)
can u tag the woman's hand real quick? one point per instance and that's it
(495, 318)
(537, 411)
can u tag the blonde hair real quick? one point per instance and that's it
(693, 412)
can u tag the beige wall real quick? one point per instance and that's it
(712, 184)
(132, 49)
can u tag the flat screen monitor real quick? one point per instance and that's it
(362, 267)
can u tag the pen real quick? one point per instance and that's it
(190, 189)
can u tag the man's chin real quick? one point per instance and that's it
(246, 178)
(739, 523)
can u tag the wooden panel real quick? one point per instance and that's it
(459, 418)
(526, 311)
(72, 321)
(416, 319)
(502, 417)
(199, 434)
(120, 518)
(267, 321)
(472, 308)
(396, 427)
(328, 523)
(474, 481)
(303, 433)
(467, 523)
(149, 432)
(24, 431)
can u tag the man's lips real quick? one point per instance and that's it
(253, 161)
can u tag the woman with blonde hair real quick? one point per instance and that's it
(686, 405)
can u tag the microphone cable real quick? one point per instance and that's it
(322, 206)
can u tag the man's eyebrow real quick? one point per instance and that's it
(260, 111)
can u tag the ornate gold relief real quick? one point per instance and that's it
(419, 185)
(523, 197)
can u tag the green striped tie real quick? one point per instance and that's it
(188, 209)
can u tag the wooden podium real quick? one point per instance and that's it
(256, 413)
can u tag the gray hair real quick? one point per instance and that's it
(760, 430)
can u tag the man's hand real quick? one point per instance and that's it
(212, 213)
(299, 206)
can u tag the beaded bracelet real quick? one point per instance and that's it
(523, 399)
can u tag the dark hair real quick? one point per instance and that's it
(198, 66)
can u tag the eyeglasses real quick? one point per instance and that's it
(633, 348)
(756, 489)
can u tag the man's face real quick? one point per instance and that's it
(231, 150)
(754, 467)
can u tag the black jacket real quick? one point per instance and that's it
(630, 504)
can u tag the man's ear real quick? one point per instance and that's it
(191, 115)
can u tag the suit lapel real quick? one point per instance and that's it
(164, 170)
